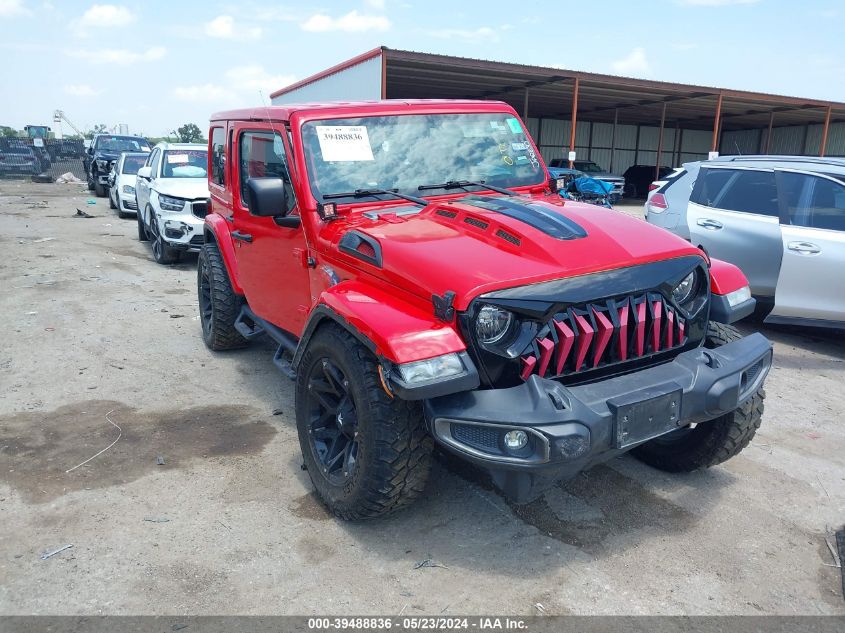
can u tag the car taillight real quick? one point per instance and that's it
(653, 186)
(657, 203)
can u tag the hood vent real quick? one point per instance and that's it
(533, 214)
(481, 224)
(513, 239)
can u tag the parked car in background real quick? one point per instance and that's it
(781, 219)
(122, 183)
(171, 192)
(103, 153)
(638, 178)
(19, 159)
(591, 169)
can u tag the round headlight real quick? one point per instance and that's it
(492, 324)
(684, 290)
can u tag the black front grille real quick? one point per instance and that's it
(605, 333)
(199, 209)
(197, 240)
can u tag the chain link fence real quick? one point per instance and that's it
(41, 159)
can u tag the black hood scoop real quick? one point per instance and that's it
(532, 214)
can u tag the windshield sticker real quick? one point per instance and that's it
(519, 147)
(176, 159)
(514, 125)
(344, 143)
(496, 125)
(532, 156)
(508, 160)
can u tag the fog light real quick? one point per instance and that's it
(515, 440)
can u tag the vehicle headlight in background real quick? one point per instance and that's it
(492, 323)
(432, 368)
(684, 290)
(129, 189)
(738, 296)
(168, 203)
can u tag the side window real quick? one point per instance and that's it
(218, 156)
(262, 155)
(814, 202)
(155, 159)
(744, 190)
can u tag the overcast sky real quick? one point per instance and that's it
(158, 64)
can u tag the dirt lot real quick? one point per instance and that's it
(97, 332)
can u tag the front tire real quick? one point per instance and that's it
(366, 453)
(112, 205)
(162, 253)
(218, 303)
(99, 190)
(712, 442)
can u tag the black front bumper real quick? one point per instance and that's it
(572, 428)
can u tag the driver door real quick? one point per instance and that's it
(272, 259)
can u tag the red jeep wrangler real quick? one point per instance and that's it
(426, 284)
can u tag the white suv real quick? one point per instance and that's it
(171, 191)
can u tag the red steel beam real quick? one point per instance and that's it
(717, 123)
(825, 130)
(660, 143)
(574, 119)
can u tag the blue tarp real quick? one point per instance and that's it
(585, 184)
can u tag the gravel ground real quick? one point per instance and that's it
(103, 342)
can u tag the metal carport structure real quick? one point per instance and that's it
(618, 120)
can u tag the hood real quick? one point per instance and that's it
(188, 188)
(103, 155)
(478, 244)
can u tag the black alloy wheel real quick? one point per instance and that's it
(205, 298)
(332, 423)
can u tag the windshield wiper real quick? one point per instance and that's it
(363, 193)
(463, 184)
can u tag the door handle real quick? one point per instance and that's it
(804, 248)
(710, 225)
(243, 237)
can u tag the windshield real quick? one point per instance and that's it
(185, 163)
(404, 152)
(122, 144)
(131, 164)
(588, 167)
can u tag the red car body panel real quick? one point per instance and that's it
(725, 277)
(222, 235)
(400, 332)
(423, 254)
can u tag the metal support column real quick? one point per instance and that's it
(825, 130)
(769, 132)
(613, 138)
(525, 108)
(574, 119)
(717, 124)
(660, 143)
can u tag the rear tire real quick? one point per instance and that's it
(142, 230)
(712, 442)
(366, 453)
(218, 303)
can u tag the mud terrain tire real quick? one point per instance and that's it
(712, 442)
(338, 376)
(218, 303)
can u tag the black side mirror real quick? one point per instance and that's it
(267, 197)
